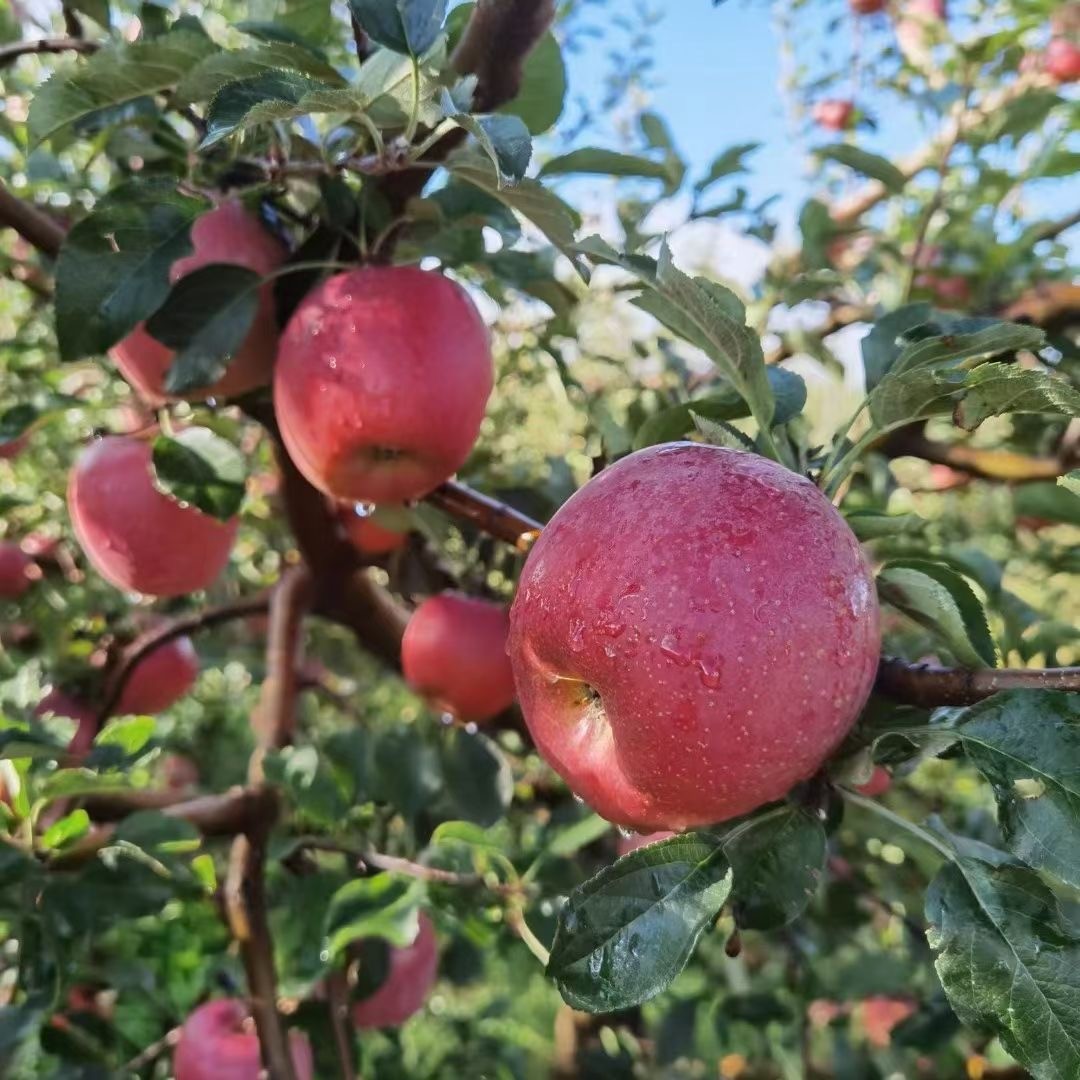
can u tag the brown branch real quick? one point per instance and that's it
(245, 883)
(488, 515)
(34, 226)
(929, 687)
(839, 316)
(1048, 230)
(17, 49)
(146, 643)
(337, 1000)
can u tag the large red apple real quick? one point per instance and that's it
(454, 652)
(1062, 60)
(161, 678)
(382, 378)
(368, 536)
(410, 977)
(16, 571)
(137, 537)
(693, 634)
(218, 1042)
(57, 703)
(227, 234)
(833, 114)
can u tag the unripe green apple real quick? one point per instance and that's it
(694, 632)
(137, 537)
(382, 378)
(226, 234)
(408, 982)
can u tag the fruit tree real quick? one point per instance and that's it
(482, 594)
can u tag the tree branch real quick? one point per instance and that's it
(930, 687)
(245, 883)
(488, 515)
(10, 53)
(34, 226)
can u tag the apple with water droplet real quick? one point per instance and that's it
(693, 634)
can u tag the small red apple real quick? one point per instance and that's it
(16, 571)
(161, 678)
(137, 537)
(880, 781)
(879, 1015)
(627, 844)
(227, 234)
(1062, 60)
(368, 536)
(218, 1042)
(833, 114)
(950, 290)
(694, 632)
(408, 982)
(454, 652)
(13, 447)
(40, 545)
(382, 378)
(57, 703)
(868, 7)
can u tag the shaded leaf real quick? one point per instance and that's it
(198, 467)
(882, 346)
(383, 906)
(505, 140)
(478, 779)
(406, 26)
(727, 163)
(593, 161)
(865, 163)
(993, 389)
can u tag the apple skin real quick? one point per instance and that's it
(368, 536)
(382, 378)
(627, 844)
(16, 571)
(1062, 60)
(216, 1043)
(868, 7)
(58, 703)
(454, 652)
(14, 447)
(880, 781)
(226, 234)
(160, 679)
(833, 114)
(408, 982)
(136, 537)
(694, 632)
(879, 1015)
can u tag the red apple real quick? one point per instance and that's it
(410, 977)
(179, 772)
(16, 571)
(13, 447)
(161, 678)
(880, 781)
(868, 7)
(879, 1015)
(368, 536)
(693, 634)
(950, 290)
(137, 537)
(382, 378)
(627, 844)
(218, 1042)
(1062, 60)
(57, 703)
(454, 652)
(833, 114)
(227, 234)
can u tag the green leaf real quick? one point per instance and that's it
(1027, 745)
(383, 906)
(915, 395)
(130, 734)
(592, 161)
(309, 783)
(624, 935)
(967, 340)
(727, 164)
(479, 783)
(571, 839)
(540, 100)
(505, 140)
(1008, 962)
(554, 218)
(993, 389)
(777, 861)
(406, 26)
(940, 599)
(1052, 501)
(719, 433)
(113, 268)
(881, 346)
(1071, 482)
(198, 467)
(866, 164)
(66, 831)
(205, 319)
(873, 525)
(113, 76)
(215, 71)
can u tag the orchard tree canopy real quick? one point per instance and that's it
(458, 618)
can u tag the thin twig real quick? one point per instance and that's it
(929, 686)
(337, 1000)
(10, 53)
(153, 1051)
(33, 225)
(488, 515)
